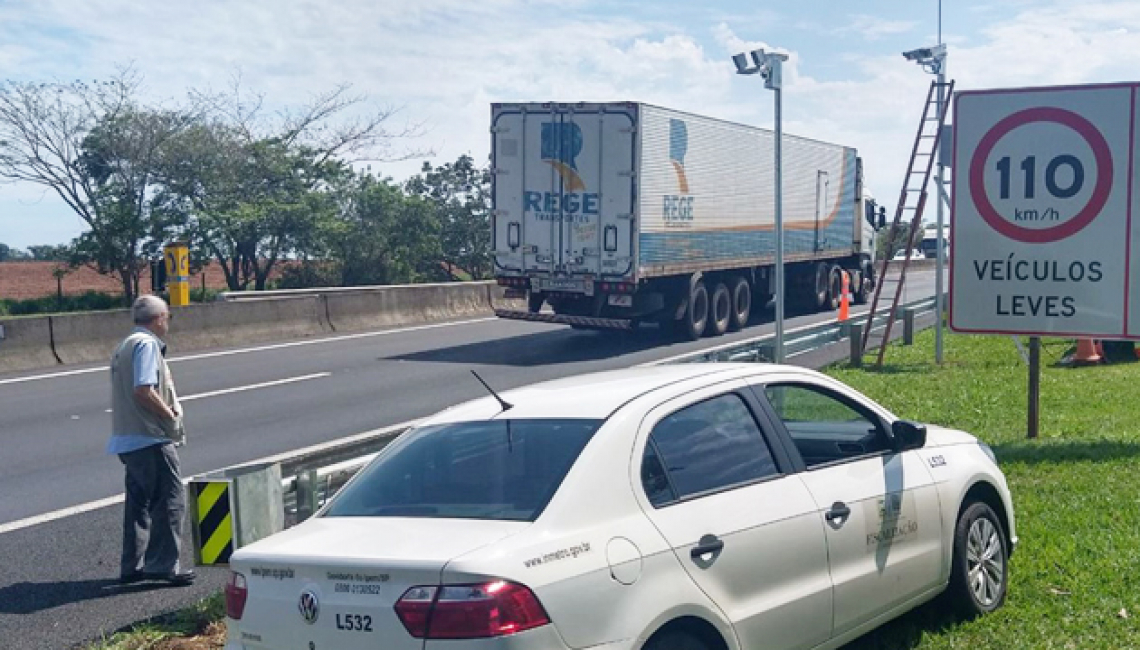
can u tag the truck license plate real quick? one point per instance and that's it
(566, 284)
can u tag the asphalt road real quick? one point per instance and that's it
(56, 577)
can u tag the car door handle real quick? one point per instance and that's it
(708, 544)
(838, 514)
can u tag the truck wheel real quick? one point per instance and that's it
(741, 303)
(720, 310)
(866, 283)
(692, 324)
(834, 287)
(822, 279)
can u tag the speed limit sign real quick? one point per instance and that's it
(1042, 234)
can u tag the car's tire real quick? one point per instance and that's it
(692, 324)
(741, 291)
(720, 311)
(676, 640)
(979, 573)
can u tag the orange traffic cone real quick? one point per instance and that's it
(844, 301)
(1086, 353)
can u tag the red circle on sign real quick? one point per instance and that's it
(1083, 218)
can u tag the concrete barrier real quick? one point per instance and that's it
(216, 325)
(90, 336)
(405, 305)
(26, 344)
(254, 318)
(499, 300)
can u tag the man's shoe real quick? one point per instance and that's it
(174, 578)
(131, 578)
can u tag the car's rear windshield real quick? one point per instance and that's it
(498, 469)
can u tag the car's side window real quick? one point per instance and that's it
(705, 447)
(825, 427)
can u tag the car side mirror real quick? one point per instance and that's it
(908, 435)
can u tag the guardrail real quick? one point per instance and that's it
(310, 481)
(805, 339)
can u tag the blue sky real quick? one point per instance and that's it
(444, 61)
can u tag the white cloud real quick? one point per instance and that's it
(872, 28)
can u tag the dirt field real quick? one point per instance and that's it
(26, 280)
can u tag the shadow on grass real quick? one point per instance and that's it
(1060, 452)
(909, 630)
(896, 368)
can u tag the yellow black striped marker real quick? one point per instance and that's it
(213, 517)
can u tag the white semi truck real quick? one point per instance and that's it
(618, 214)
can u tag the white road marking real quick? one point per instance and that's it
(239, 389)
(60, 514)
(118, 498)
(260, 348)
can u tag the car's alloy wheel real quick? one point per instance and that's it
(985, 564)
(979, 576)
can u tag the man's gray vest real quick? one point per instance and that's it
(127, 416)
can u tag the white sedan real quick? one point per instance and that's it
(685, 507)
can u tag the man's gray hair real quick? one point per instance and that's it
(147, 308)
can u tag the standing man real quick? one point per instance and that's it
(146, 427)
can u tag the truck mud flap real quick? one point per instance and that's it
(563, 319)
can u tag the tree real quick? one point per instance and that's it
(461, 194)
(381, 236)
(49, 253)
(891, 242)
(255, 191)
(9, 254)
(99, 151)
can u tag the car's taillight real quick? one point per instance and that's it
(414, 607)
(236, 593)
(470, 611)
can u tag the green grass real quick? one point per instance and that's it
(197, 627)
(1076, 490)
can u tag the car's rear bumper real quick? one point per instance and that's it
(543, 638)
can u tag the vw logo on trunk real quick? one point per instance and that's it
(309, 606)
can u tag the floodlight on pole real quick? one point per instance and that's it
(933, 61)
(770, 66)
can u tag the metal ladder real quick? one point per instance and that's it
(913, 201)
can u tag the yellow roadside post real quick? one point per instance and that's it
(177, 256)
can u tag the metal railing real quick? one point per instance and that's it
(808, 338)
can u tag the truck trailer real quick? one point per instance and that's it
(619, 214)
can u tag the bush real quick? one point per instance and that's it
(306, 276)
(87, 301)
